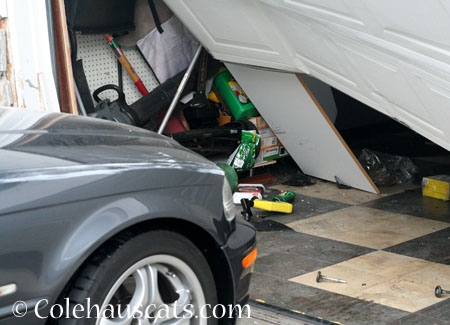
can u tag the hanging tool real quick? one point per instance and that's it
(321, 277)
(126, 64)
(199, 112)
(438, 291)
(263, 205)
(117, 111)
(179, 90)
(200, 99)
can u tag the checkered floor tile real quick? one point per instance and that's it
(412, 203)
(392, 250)
(433, 247)
(389, 279)
(367, 227)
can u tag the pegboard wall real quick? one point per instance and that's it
(100, 67)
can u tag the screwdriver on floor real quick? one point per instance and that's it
(321, 277)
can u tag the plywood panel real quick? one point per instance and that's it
(297, 119)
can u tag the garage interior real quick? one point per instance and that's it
(390, 248)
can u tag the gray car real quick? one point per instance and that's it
(96, 213)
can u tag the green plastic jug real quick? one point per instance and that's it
(234, 96)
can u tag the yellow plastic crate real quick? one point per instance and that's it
(437, 187)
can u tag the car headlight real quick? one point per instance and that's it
(228, 204)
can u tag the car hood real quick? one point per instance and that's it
(63, 153)
(35, 140)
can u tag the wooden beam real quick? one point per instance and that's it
(67, 95)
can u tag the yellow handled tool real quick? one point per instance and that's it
(282, 207)
(263, 205)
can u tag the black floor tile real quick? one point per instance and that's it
(433, 247)
(416, 319)
(328, 250)
(269, 225)
(320, 303)
(414, 204)
(304, 207)
(307, 246)
(276, 241)
(286, 265)
(439, 311)
(306, 252)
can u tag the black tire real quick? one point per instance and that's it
(102, 270)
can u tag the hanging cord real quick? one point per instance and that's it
(152, 6)
(120, 75)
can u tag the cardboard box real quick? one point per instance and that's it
(269, 142)
(266, 133)
(258, 122)
(274, 153)
(283, 152)
(264, 154)
(271, 153)
(271, 147)
(263, 128)
(437, 187)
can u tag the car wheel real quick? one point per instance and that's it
(158, 277)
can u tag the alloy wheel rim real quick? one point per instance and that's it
(160, 289)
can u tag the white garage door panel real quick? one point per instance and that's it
(385, 72)
(327, 10)
(422, 21)
(323, 57)
(393, 55)
(235, 30)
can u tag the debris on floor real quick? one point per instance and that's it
(387, 170)
(340, 184)
(437, 187)
(320, 277)
(300, 179)
(438, 292)
(286, 196)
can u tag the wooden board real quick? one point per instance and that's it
(297, 119)
(67, 97)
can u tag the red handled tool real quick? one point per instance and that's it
(126, 64)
